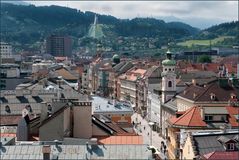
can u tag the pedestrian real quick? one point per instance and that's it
(148, 133)
(165, 148)
(144, 127)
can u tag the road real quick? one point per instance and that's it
(143, 128)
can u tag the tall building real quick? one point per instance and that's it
(6, 51)
(59, 45)
(168, 78)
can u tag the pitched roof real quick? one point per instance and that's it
(232, 112)
(78, 152)
(202, 94)
(191, 118)
(121, 140)
(65, 74)
(208, 143)
(222, 155)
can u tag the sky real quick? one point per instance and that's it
(219, 11)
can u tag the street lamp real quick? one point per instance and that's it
(151, 128)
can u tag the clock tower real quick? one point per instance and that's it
(168, 78)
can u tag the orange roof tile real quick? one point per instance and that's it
(121, 140)
(192, 118)
(221, 155)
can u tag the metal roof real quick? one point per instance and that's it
(77, 152)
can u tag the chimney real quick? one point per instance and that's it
(194, 95)
(202, 113)
(46, 150)
(194, 82)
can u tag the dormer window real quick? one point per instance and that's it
(212, 96)
(169, 84)
(7, 109)
(233, 96)
(49, 108)
(230, 146)
(29, 108)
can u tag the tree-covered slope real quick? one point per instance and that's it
(28, 24)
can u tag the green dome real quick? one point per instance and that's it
(168, 62)
(116, 59)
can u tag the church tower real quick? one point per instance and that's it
(168, 78)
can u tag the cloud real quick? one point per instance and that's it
(224, 10)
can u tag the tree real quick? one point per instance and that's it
(204, 59)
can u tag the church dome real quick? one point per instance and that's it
(168, 62)
(116, 58)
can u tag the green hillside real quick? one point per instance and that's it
(29, 24)
(214, 41)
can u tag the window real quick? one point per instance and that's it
(7, 109)
(29, 108)
(208, 118)
(169, 83)
(165, 69)
(49, 108)
(230, 146)
(169, 69)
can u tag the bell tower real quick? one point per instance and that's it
(168, 77)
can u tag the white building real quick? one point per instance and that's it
(40, 66)
(10, 70)
(5, 50)
(154, 109)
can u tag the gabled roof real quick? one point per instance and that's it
(191, 118)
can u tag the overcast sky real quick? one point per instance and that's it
(224, 10)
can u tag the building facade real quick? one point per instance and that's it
(59, 45)
(6, 50)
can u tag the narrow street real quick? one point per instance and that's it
(143, 128)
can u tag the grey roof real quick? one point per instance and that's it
(209, 143)
(77, 152)
(122, 67)
(215, 110)
(171, 105)
(102, 105)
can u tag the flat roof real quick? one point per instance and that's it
(103, 105)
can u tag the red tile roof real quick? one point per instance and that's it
(121, 140)
(232, 112)
(10, 119)
(222, 155)
(191, 118)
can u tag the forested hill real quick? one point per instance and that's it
(224, 29)
(29, 24)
